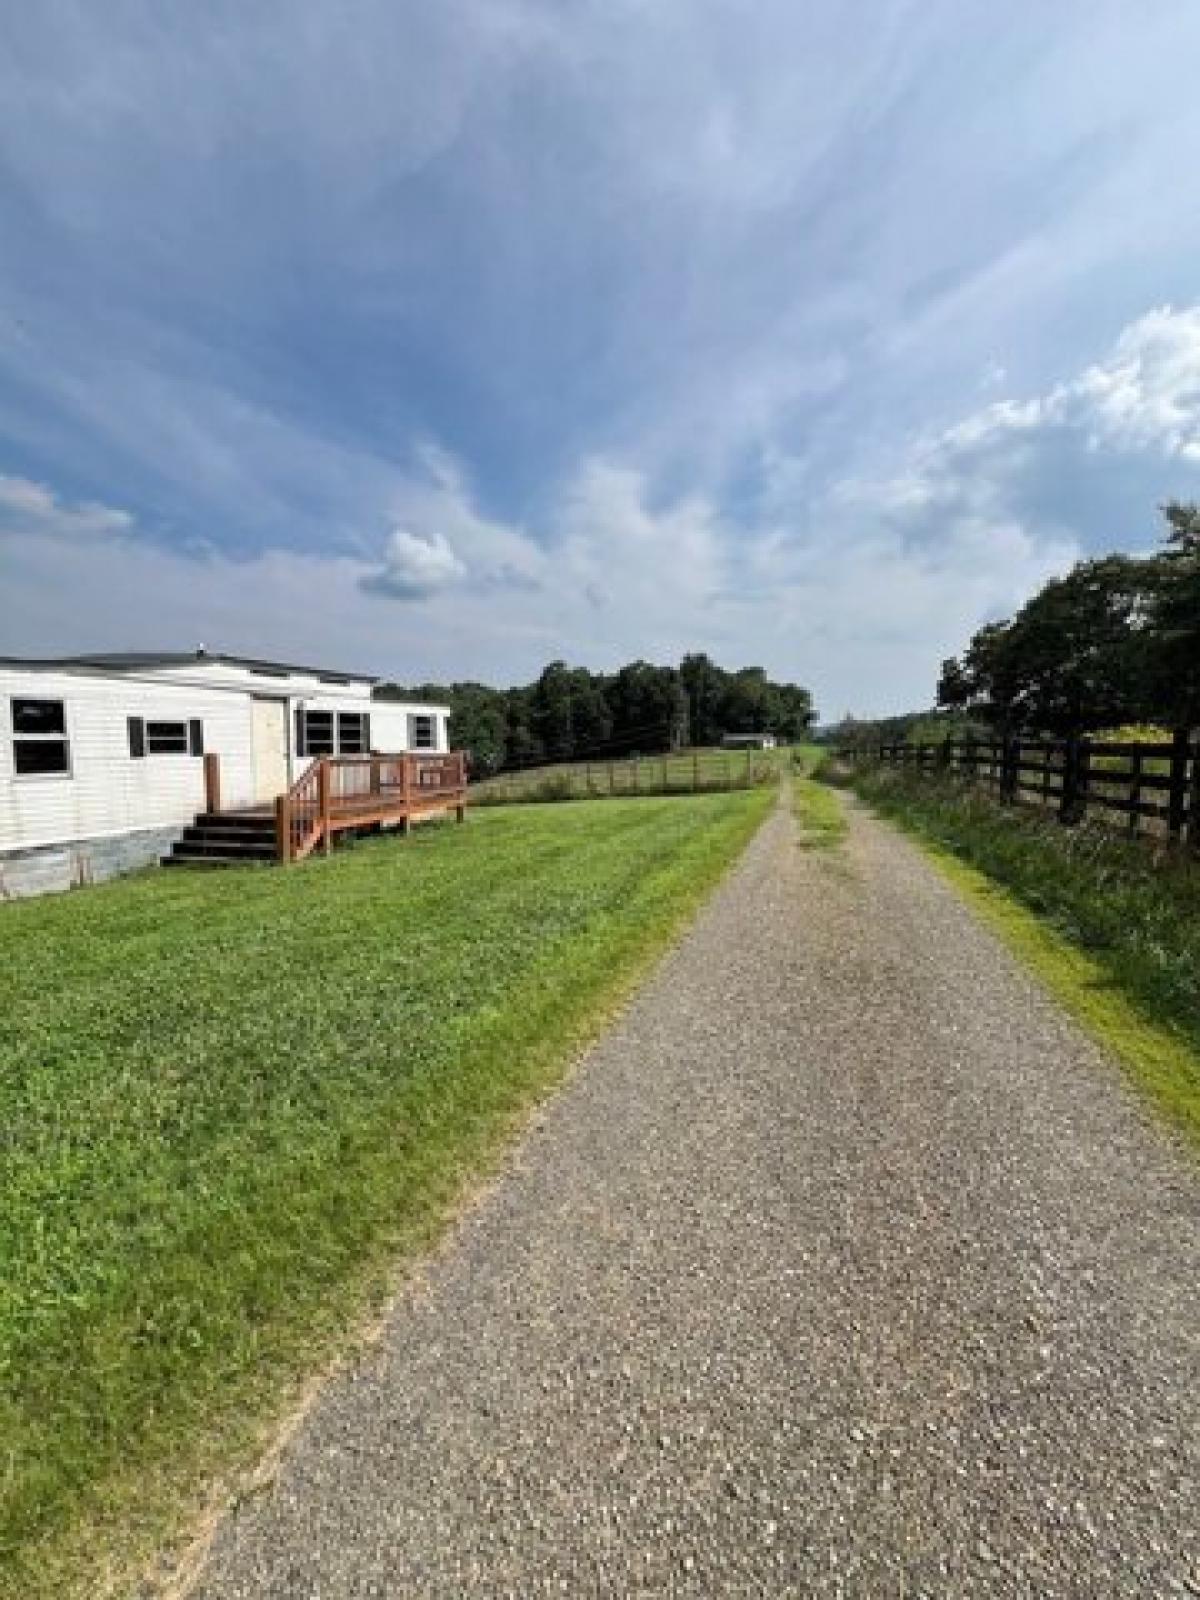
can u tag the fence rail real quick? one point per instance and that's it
(1154, 789)
(678, 772)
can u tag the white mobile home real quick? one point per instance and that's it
(102, 757)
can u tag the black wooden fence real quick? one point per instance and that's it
(1152, 788)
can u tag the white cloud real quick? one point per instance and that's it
(415, 566)
(1142, 400)
(1147, 394)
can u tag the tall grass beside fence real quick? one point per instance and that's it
(1133, 909)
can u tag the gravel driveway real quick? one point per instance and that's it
(843, 1266)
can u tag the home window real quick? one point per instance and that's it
(424, 733)
(316, 733)
(354, 733)
(328, 733)
(40, 744)
(165, 738)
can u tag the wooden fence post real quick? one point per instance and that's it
(1193, 826)
(326, 806)
(1010, 755)
(212, 782)
(1135, 793)
(1177, 797)
(1070, 780)
(283, 829)
(1076, 773)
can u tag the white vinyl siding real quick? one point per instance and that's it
(392, 726)
(107, 791)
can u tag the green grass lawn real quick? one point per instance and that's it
(232, 1101)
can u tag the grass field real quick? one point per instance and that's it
(684, 771)
(231, 1102)
(1112, 927)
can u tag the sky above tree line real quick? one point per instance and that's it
(444, 339)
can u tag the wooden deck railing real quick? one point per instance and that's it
(342, 792)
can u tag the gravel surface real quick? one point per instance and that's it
(843, 1266)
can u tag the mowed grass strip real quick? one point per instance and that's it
(231, 1102)
(817, 807)
(820, 814)
(1112, 927)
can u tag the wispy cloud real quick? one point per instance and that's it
(28, 507)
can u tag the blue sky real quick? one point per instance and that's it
(444, 339)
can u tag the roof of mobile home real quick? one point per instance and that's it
(148, 660)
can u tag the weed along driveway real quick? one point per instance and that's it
(844, 1265)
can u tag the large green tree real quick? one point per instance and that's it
(1176, 618)
(1116, 640)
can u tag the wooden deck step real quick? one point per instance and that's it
(194, 858)
(224, 839)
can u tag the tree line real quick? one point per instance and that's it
(1115, 642)
(569, 713)
(907, 727)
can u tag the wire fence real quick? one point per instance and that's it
(681, 772)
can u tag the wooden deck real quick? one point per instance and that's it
(337, 794)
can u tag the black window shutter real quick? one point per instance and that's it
(366, 734)
(137, 737)
(196, 737)
(301, 746)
